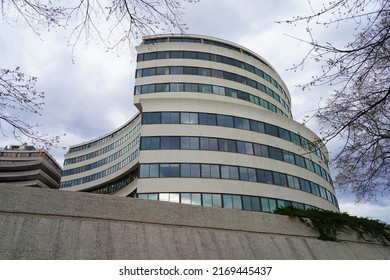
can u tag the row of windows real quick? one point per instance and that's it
(208, 72)
(105, 149)
(104, 139)
(103, 161)
(230, 172)
(116, 185)
(190, 87)
(233, 122)
(100, 174)
(232, 146)
(230, 201)
(208, 56)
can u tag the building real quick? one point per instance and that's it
(22, 165)
(214, 128)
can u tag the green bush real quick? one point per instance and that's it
(329, 223)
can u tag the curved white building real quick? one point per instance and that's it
(215, 128)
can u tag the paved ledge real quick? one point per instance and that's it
(54, 224)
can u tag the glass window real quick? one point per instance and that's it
(163, 55)
(164, 196)
(155, 118)
(206, 172)
(154, 168)
(243, 95)
(241, 147)
(162, 71)
(153, 196)
(237, 202)
(255, 204)
(280, 179)
(214, 171)
(300, 161)
(186, 198)
(174, 197)
(304, 185)
(264, 176)
(177, 54)
(275, 153)
(252, 174)
(246, 203)
(176, 87)
(190, 55)
(315, 188)
(288, 157)
(190, 70)
(185, 170)
(226, 121)
(191, 87)
(144, 171)
(166, 117)
(234, 173)
(309, 164)
(271, 130)
(185, 143)
(260, 150)
(196, 199)
(164, 170)
(177, 70)
(293, 182)
(193, 118)
(231, 92)
(207, 200)
(145, 143)
(174, 170)
(227, 201)
(170, 142)
(284, 134)
(205, 88)
(217, 200)
(227, 145)
(244, 174)
(272, 204)
(225, 172)
(216, 73)
(295, 138)
(195, 170)
(203, 56)
(185, 117)
(204, 72)
(265, 205)
(194, 143)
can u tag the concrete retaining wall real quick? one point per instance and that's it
(53, 224)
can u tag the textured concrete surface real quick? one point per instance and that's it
(52, 224)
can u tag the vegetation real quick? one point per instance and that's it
(329, 224)
(358, 73)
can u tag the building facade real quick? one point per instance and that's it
(22, 165)
(214, 128)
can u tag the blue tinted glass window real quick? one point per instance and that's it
(195, 170)
(207, 200)
(275, 153)
(255, 204)
(234, 173)
(185, 170)
(206, 172)
(154, 170)
(227, 201)
(246, 203)
(237, 202)
(144, 171)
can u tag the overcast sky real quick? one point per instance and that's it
(91, 93)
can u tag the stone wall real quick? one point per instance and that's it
(53, 224)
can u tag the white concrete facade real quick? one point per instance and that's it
(215, 128)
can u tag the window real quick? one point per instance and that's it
(177, 70)
(264, 176)
(293, 182)
(144, 171)
(208, 144)
(260, 150)
(280, 179)
(271, 130)
(205, 88)
(275, 153)
(288, 157)
(170, 142)
(227, 201)
(227, 145)
(191, 87)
